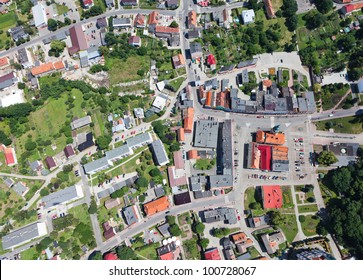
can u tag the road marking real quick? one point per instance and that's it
(248, 124)
(287, 124)
(272, 121)
(226, 199)
(228, 116)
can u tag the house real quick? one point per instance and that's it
(20, 188)
(96, 165)
(259, 221)
(192, 19)
(131, 215)
(110, 3)
(164, 229)
(49, 161)
(40, 15)
(108, 230)
(272, 197)
(182, 198)
(23, 235)
(81, 122)
(170, 251)
(135, 41)
(176, 177)
(272, 241)
(160, 102)
(68, 151)
(153, 21)
(7, 80)
(139, 21)
(36, 165)
(128, 2)
(197, 183)
(212, 254)
(220, 181)
(101, 22)
(155, 206)
(62, 197)
(110, 256)
(24, 58)
(139, 113)
(313, 254)
(211, 84)
(195, 50)
(4, 62)
(165, 31)
(211, 62)
(348, 9)
(248, 16)
(270, 138)
(159, 154)
(8, 181)
(47, 68)
(84, 141)
(121, 23)
(78, 39)
(188, 120)
(194, 33)
(87, 3)
(159, 191)
(119, 153)
(5, 2)
(112, 202)
(178, 61)
(180, 135)
(206, 134)
(172, 4)
(227, 215)
(58, 36)
(269, 9)
(139, 140)
(18, 33)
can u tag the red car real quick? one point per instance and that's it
(239, 218)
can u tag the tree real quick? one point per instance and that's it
(175, 230)
(314, 19)
(204, 242)
(174, 24)
(340, 180)
(67, 168)
(324, 6)
(253, 4)
(121, 192)
(199, 228)
(277, 218)
(67, 21)
(141, 72)
(302, 218)
(291, 23)
(289, 7)
(96, 255)
(142, 183)
(175, 146)
(126, 253)
(170, 220)
(93, 207)
(4, 139)
(21, 86)
(56, 48)
(327, 158)
(142, 198)
(155, 172)
(220, 232)
(255, 205)
(103, 141)
(52, 24)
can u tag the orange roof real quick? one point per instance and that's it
(140, 20)
(280, 153)
(4, 1)
(260, 136)
(153, 18)
(181, 59)
(202, 94)
(188, 125)
(181, 135)
(272, 197)
(192, 17)
(193, 154)
(239, 237)
(261, 258)
(156, 206)
(4, 61)
(167, 257)
(166, 29)
(275, 138)
(269, 10)
(44, 68)
(208, 101)
(58, 65)
(256, 156)
(267, 83)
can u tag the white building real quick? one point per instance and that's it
(15, 97)
(40, 16)
(159, 102)
(248, 16)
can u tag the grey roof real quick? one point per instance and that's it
(280, 165)
(83, 57)
(195, 47)
(164, 229)
(303, 106)
(200, 194)
(159, 191)
(121, 22)
(81, 122)
(60, 197)
(19, 188)
(21, 235)
(224, 84)
(59, 36)
(245, 78)
(344, 149)
(34, 165)
(213, 83)
(281, 105)
(18, 32)
(226, 157)
(220, 181)
(7, 80)
(96, 165)
(247, 63)
(310, 101)
(245, 256)
(195, 33)
(226, 68)
(93, 52)
(270, 102)
(206, 134)
(159, 152)
(139, 140)
(23, 56)
(276, 237)
(228, 215)
(119, 152)
(115, 187)
(102, 22)
(258, 221)
(130, 215)
(8, 181)
(197, 183)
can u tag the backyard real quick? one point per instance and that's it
(7, 21)
(351, 125)
(287, 197)
(289, 227)
(309, 225)
(204, 164)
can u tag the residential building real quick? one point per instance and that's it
(139, 21)
(108, 230)
(220, 181)
(192, 19)
(313, 254)
(159, 154)
(87, 3)
(139, 113)
(81, 122)
(110, 3)
(131, 215)
(211, 62)
(178, 61)
(7, 80)
(255, 222)
(197, 183)
(47, 68)
(225, 153)
(96, 166)
(188, 120)
(195, 50)
(36, 165)
(18, 33)
(68, 151)
(272, 197)
(211, 84)
(153, 21)
(247, 63)
(78, 39)
(272, 241)
(169, 251)
(227, 215)
(20, 188)
(58, 36)
(102, 22)
(180, 135)
(206, 134)
(160, 102)
(194, 33)
(119, 153)
(165, 31)
(110, 256)
(159, 191)
(62, 197)
(139, 140)
(269, 9)
(121, 23)
(164, 230)
(4, 62)
(40, 16)
(84, 141)
(212, 254)
(135, 41)
(128, 2)
(348, 9)
(182, 198)
(248, 16)
(270, 138)
(8, 182)
(172, 4)
(24, 58)
(49, 161)
(112, 202)
(155, 206)
(23, 235)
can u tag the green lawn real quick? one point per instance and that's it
(146, 4)
(290, 227)
(10, 201)
(287, 197)
(351, 125)
(148, 251)
(29, 254)
(308, 208)
(7, 21)
(308, 195)
(250, 197)
(191, 249)
(253, 252)
(326, 193)
(309, 226)
(182, 218)
(81, 212)
(203, 164)
(62, 9)
(176, 83)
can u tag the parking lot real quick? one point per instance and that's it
(92, 35)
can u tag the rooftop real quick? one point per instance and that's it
(206, 134)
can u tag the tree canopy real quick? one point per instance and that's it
(126, 253)
(327, 158)
(103, 141)
(324, 6)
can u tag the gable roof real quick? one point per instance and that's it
(50, 162)
(166, 29)
(78, 39)
(212, 254)
(156, 206)
(153, 18)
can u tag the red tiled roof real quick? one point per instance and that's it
(134, 40)
(167, 257)
(211, 60)
(10, 157)
(173, 181)
(140, 20)
(178, 160)
(153, 18)
(87, 2)
(193, 154)
(272, 197)
(208, 101)
(212, 254)
(157, 205)
(110, 257)
(269, 9)
(166, 29)
(47, 67)
(4, 61)
(192, 18)
(265, 157)
(181, 135)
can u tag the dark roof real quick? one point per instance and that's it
(88, 143)
(202, 194)
(172, 3)
(50, 162)
(227, 68)
(7, 80)
(68, 151)
(78, 39)
(22, 56)
(101, 22)
(128, 2)
(182, 198)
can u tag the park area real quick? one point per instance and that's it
(309, 224)
(350, 125)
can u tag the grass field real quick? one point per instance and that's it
(148, 251)
(308, 208)
(253, 252)
(7, 21)
(307, 195)
(287, 197)
(61, 9)
(203, 164)
(250, 197)
(81, 212)
(290, 227)
(176, 83)
(350, 125)
(309, 226)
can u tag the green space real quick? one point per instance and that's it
(147, 4)
(289, 227)
(350, 125)
(191, 249)
(176, 83)
(204, 164)
(253, 252)
(29, 254)
(287, 197)
(251, 198)
(309, 194)
(308, 208)
(7, 21)
(61, 9)
(104, 214)
(310, 224)
(326, 193)
(184, 219)
(331, 94)
(222, 232)
(148, 251)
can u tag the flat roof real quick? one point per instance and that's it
(206, 134)
(62, 196)
(81, 122)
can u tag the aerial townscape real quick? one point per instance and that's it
(181, 130)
